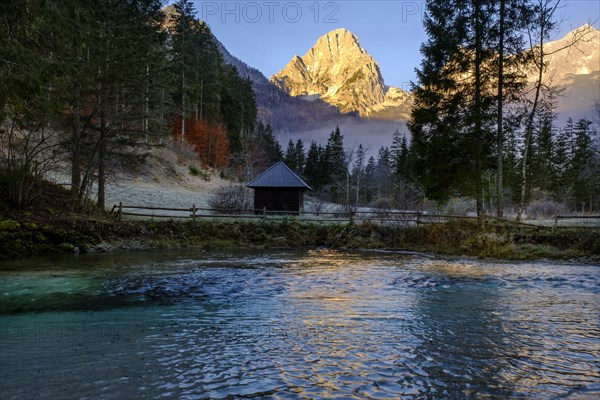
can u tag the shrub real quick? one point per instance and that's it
(195, 171)
(541, 209)
(316, 205)
(232, 199)
(459, 206)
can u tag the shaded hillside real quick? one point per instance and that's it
(285, 113)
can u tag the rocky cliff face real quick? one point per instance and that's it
(340, 72)
(577, 53)
(574, 68)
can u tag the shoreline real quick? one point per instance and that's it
(20, 238)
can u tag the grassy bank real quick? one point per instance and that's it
(50, 226)
(24, 237)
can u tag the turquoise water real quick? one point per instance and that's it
(308, 324)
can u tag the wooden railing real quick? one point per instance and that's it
(584, 221)
(381, 216)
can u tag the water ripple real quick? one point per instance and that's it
(316, 324)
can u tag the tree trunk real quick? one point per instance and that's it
(102, 163)
(347, 191)
(146, 122)
(104, 114)
(182, 106)
(76, 155)
(500, 133)
(478, 108)
(357, 188)
(530, 120)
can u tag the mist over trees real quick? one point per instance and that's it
(347, 177)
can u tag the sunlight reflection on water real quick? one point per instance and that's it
(307, 324)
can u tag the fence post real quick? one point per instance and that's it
(351, 217)
(264, 213)
(193, 212)
(555, 221)
(417, 220)
(120, 211)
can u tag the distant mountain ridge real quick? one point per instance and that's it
(575, 70)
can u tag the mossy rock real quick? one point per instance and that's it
(31, 226)
(13, 248)
(60, 233)
(9, 225)
(67, 248)
(5, 236)
(219, 244)
(24, 235)
(43, 248)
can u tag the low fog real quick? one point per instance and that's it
(370, 133)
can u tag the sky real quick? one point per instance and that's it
(267, 34)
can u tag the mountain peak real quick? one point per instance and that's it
(341, 32)
(338, 42)
(340, 72)
(337, 70)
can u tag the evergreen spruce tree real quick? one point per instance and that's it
(313, 171)
(454, 119)
(299, 156)
(290, 156)
(384, 173)
(183, 58)
(334, 162)
(268, 143)
(358, 175)
(370, 180)
(335, 154)
(583, 188)
(561, 165)
(542, 168)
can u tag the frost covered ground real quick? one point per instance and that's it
(164, 180)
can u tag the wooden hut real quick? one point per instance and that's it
(279, 189)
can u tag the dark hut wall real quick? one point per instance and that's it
(279, 199)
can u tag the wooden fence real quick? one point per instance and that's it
(382, 216)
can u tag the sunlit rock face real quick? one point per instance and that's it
(577, 53)
(340, 72)
(574, 69)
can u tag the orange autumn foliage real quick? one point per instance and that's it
(210, 141)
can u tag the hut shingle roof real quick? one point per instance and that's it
(278, 175)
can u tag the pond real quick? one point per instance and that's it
(297, 324)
